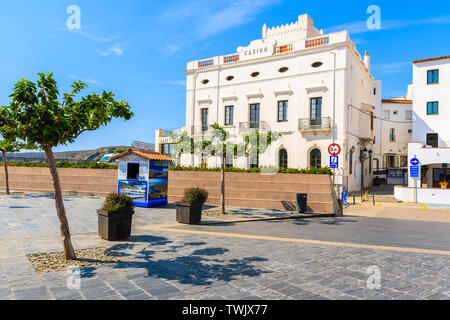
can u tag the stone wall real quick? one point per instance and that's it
(98, 182)
(255, 190)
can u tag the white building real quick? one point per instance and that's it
(294, 80)
(431, 132)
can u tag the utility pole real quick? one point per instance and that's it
(334, 108)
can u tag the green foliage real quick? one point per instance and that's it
(36, 116)
(118, 203)
(195, 195)
(117, 151)
(62, 164)
(325, 170)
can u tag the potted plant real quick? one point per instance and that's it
(424, 183)
(190, 209)
(443, 184)
(114, 218)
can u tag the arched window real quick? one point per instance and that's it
(315, 159)
(283, 159)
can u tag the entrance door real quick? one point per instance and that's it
(440, 174)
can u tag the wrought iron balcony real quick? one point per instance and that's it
(314, 124)
(245, 127)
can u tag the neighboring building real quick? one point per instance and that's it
(431, 133)
(290, 81)
(164, 144)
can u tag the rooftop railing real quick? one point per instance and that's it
(317, 42)
(205, 63)
(283, 49)
(232, 58)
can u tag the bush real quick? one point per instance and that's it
(118, 203)
(195, 195)
(325, 170)
(62, 164)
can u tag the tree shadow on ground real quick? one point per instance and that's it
(202, 266)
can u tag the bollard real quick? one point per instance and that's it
(373, 197)
(354, 201)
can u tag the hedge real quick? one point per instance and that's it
(62, 164)
(325, 170)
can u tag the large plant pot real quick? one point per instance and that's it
(189, 213)
(113, 226)
(444, 187)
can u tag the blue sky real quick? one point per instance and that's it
(138, 49)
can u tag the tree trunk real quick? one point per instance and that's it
(222, 187)
(6, 171)
(60, 210)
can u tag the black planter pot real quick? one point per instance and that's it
(113, 226)
(189, 213)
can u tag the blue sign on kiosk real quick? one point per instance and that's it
(143, 176)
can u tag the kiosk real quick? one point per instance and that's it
(143, 175)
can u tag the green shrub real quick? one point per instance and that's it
(325, 170)
(62, 164)
(195, 195)
(118, 203)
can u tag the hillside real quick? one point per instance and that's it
(82, 155)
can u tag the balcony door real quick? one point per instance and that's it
(254, 115)
(432, 140)
(316, 112)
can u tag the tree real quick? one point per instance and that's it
(254, 143)
(11, 146)
(36, 116)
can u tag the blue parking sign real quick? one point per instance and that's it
(414, 171)
(334, 162)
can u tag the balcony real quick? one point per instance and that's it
(283, 49)
(230, 59)
(314, 124)
(317, 42)
(205, 63)
(246, 127)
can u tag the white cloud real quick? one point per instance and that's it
(115, 50)
(83, 80)
(358, 27)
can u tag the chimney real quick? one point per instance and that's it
(367, 60)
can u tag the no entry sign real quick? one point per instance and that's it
(334, 149)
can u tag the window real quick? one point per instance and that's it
(204, 119)
(254, 74)
(283, 159)
(316, 111)
(254, 115)
(395, 112)
(408, 115)
(316, 64)
(392, 135)
(229, 78)
(283, 69)
(374, 91)
(432, 140)
(433, 76)
(386, 114)
(229, 161)
(282, 111)
(167, 148)
(132, 171)
(315, 158)
(409, 131)
(229, 115)
(433, 107)
(205, 81)
(350, 165)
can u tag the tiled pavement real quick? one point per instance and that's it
(174, 265)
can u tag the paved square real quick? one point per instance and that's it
(318, 258)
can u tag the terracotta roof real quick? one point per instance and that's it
(399, 101)
(432, 59)
(149, 155)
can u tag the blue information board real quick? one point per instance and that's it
(334, 162)
(414, 171)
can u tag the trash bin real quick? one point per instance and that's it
(302, 201)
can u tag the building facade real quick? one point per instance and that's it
(313, 89)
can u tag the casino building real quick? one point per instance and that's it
(312, 88)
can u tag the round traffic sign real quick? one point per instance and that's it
(414, 161)
(334, 149)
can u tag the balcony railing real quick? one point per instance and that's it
(314, 124)
(205, 63)
(232, 58)
(283, 49)
(245, 127)
(317, 42)
(435, 144)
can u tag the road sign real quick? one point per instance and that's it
(334, 149)
(414, 161)
(414, 171)
(334, 162)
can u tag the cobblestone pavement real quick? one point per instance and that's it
(215, 262)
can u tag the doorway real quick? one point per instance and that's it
(133, 171)
(440, 174)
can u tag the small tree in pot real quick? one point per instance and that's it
(190, 209)
(114, 219)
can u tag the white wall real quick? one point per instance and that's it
(431, 196)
